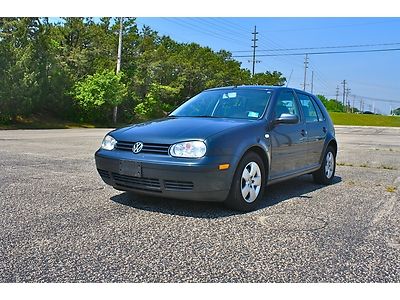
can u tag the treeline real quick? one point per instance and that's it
(67, 70)
(335, 106)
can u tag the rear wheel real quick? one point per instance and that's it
(248, 183)
(326, 172)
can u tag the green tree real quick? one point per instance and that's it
(268, 78)
(99, 92)
(332, 104)
(41, 62)
(22, 66)
(156, 102)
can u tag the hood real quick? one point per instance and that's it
(175, 129)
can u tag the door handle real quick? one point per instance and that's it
(303, 132)
(324, 129)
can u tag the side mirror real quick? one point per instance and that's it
(287, 119)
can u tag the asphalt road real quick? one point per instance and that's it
(60, 223)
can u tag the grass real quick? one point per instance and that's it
(45, 122)
(365, 165)
(387, 167)
(364, 120)
(344, 164)
(390, 189)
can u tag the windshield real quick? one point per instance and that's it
(235, 103)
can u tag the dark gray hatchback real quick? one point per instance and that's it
(225, 144)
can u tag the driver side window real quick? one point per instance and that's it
(286, 104)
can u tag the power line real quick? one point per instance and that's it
(164, 33)
(321, 79)
(230, 24)
(194, 27)
(216, 28)
(322, 47)
(377, 99)
(376, 85)
(225, 29)
(327, 52)
(222, 27)
(240, 30)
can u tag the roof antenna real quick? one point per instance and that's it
(290, 77)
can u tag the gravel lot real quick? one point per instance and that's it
(60, 223)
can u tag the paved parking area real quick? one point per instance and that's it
(60, 223)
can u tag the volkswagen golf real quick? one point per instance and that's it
(225, 144)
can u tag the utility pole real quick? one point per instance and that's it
(361, 104)
(312, 81)
(305, 71)
(347, 99)
(344, 92)
(115, 112)
(352, 107)
(337, 96)
(254, 48)
(337, 93)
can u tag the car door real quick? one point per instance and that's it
(315, 126)
(288, 141)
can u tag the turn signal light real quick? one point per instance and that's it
(223, 166)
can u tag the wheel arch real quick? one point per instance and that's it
(263, 155)
(332, 143)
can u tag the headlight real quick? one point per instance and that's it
(108, 143)
(191, 149)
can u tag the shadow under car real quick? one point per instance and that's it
(297, 187)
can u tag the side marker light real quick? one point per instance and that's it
(223, 167)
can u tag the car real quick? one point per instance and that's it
(226, 144)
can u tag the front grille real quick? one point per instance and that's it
(151, 184)
(147, 147)
(173, 185)
(103, 173)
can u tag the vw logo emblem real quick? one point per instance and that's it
(137, 147)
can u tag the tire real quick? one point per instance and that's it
(326, 173)
(245, 194)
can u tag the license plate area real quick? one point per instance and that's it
(130, 168)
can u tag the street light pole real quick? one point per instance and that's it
(115, 112)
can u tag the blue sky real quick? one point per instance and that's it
(373, 75)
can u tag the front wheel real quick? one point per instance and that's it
(326, 172)
(248, 183)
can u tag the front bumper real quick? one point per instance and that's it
(163, 176)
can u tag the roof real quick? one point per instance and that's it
(256, 87)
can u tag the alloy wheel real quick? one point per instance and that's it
(251, 182)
